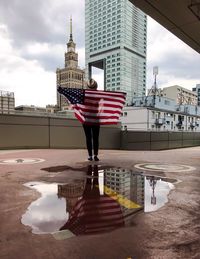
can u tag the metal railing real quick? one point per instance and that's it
(6, 94)
(37, 113)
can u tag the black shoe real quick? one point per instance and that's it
(90, 158)
(96, 158)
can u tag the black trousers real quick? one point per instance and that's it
(92, 183)
(92, 138)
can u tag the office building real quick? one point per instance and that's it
(161, 114)
(115, 41)
(71, 75)
(30, 109)
(180, 94)
(129, 187)
(197, 91)
(7, 101)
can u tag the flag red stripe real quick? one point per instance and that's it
(117, 98)
(91, 107)
(95, 118)
(98, 99)
(106, 105)
(97, 110)
(79, 117)
(99, 115)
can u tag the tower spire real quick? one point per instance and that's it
(71, 38)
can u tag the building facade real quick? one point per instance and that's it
(166, 115)
(128, 186)
(197, 91)
(115, 41)
(30, 109)
(51, 108)
(180, 94)
(71, 75)
(7, 101)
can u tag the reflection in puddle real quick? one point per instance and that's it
(104, 200)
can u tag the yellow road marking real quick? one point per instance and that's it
(121, 199)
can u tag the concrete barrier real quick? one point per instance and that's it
(158, 140)
(28, 131)
(21, 131)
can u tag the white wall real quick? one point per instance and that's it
(143, 118)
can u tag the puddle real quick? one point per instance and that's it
(105, 199)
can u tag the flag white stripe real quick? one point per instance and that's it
(105, 92)
(81, 114)
(95, 119)
(88, 107)
(98, 115)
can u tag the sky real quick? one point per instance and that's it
(33, 37)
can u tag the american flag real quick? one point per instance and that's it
(95, 107)
(95, 215)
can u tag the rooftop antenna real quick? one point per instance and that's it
(152, 182)
(155, 73)
(154, 91)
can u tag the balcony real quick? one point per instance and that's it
(179, 124)
(160, 121)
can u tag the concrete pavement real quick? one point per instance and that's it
(173, 231)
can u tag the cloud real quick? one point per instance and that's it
(26, 78)
(177, 62)
(41, 21)
(33, 37)
(39, 30)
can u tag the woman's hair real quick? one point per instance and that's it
(92, 84)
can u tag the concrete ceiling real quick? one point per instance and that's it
(175, 16)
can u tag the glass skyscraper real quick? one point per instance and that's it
(115, 35)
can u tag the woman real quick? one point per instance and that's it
(92, 131)
(94, 108)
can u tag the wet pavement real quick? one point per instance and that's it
(130, 204)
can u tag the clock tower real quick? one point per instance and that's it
(71, 76)
(71, 57)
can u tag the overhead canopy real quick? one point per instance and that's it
(181, 17)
